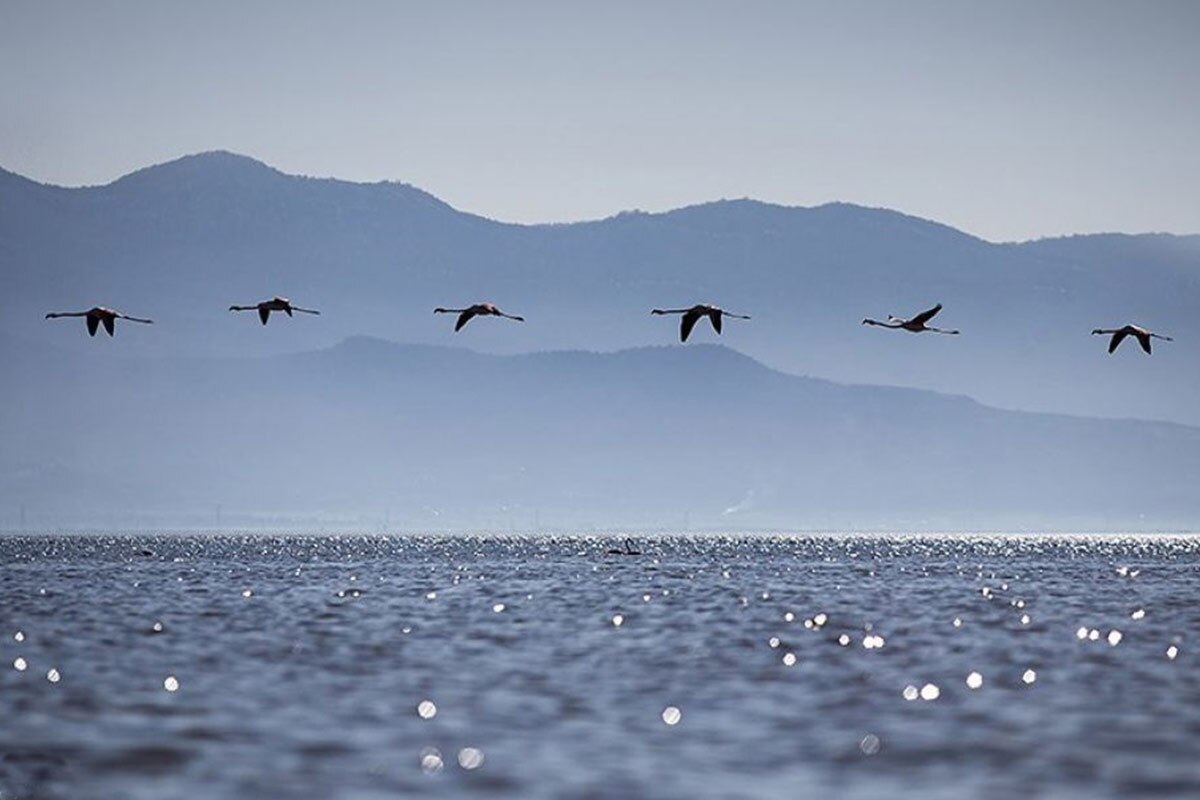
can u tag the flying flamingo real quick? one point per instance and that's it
(478, 310)
(914, 325)
(265, 308)
(692, 315)
(1141, 334)
(97, 316)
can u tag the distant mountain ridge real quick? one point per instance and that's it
(423, 437)
(182, 240)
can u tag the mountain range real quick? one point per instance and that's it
(590, 414)
(183, 240)
(369, 434)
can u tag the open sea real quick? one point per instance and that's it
(544, 667)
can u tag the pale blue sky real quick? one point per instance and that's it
(1008, 119)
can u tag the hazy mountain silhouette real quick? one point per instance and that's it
(650, 437)
(180, 241)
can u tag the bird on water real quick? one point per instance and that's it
(629, 550)
(265, 308)
(99, 316)
(1141, 334)
(917, 324)
(693, 315)
(465, 315)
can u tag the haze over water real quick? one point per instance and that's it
(364, 667)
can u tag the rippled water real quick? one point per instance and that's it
(359, 667)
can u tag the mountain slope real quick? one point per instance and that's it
(181, 241)
(441, 437)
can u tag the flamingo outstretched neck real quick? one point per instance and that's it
(694, 314)
(98, 316)
(916, 324)
(465, 315)
(1142, 335)
(276, 303)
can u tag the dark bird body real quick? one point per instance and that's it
(265, 308)
(98, 316)
(1142, 335)
(465, 315)
(917, 324)
(629, 550)
(694, 314)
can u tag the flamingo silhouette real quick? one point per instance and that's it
(465, 315)
(915, 325)
(692, 315)
(1141, 334)
(99, 316)
(265, 308)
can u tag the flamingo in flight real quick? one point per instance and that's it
(465, 315)
(265, 308)
(692, 315)
(915, 325)
(99, 316)
(1141, 334)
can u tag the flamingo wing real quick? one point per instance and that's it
(1117, 338)
(463, 319)
(925, 316)
(264, 314)
(93, 324)
(714, 316)
(108, 324)
(687, 323)
(1144, 341)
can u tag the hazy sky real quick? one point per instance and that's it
(1007, 119)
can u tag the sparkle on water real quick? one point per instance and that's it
(470, 758)
(548, 687)
(431, 760)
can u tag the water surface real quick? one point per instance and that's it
(381, 667)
